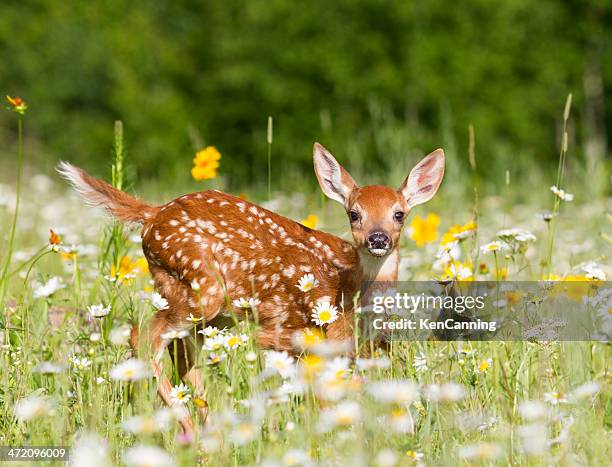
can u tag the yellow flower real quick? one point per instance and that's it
(425, 230)
(458, 232)
(17, 104)
(311, 221)
(206, 163)
(129, 269)
(54, 239)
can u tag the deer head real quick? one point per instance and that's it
(377, 213)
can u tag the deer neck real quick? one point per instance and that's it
(379, 269)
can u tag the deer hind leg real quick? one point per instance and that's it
(182, 301)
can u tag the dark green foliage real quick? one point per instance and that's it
(181, 74)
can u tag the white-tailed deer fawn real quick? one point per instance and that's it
(233, 249)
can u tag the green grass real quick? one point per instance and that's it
(250, 421)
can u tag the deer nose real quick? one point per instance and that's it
(378, 240)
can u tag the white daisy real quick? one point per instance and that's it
(98, 311)
(324, 313)
(32, 407)
(554, 398)
(80, 363)
(280, 362)
(180, 394)
(48, 288)
(194, 319)
(129, 370)
(233, 341)
(420, 363)
(158, 301)
(307, 282)
(174, 334)
(345, 414)
(492, 247)
(459, 271)
(149, 456)
(561, 194)
(246, 303)
(394, 391)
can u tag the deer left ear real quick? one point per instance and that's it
(424, 179)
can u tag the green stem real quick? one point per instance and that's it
(9, 255)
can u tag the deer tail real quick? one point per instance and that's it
(99, 193)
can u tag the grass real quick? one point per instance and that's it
(502, 403)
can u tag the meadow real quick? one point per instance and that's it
(73, 282)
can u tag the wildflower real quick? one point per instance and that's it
(345, 414)
(146, 424)
(89, 450)
(80, 364)
(307, 282)
(555, 398)
(338, 368)
(33, 407)
(484, 365)
(532, 410)
(481, 451)
(129, 370)
(48, 368)
(17, 104)
(311, 221)
(147, 456)
(180, 394)
(244, 432)
(385, 458)
(206, 163)
(561, 194)
(194, 319)
(310, 366)
(594, 272)
(119, 335)
(251, 357)
(492, 247)
(246, 303)
(99, 311)
(533, 438)
(48, 288)
(54, 239)
(324, 313)
(128, 269)
(516, 235)
(458, 271)
(394, 391)
(214, 343)
(447, 392)
(174, 334)
(296, 457)
(95, 337)
(424, 230)
(158, 301)
(195, 285)
(415, 456)
(233, 341)
(457, 233)
(215, 358)
(420, 363)
(281, 363)
(585, 391)
(400, 421)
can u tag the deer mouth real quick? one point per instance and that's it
(379, 251)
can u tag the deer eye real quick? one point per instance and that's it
(399, 216)
(353, 216)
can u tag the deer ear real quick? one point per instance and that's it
(424, 179)
(335, 182)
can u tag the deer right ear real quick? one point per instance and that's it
(335, 182)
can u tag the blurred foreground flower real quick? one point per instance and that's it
(458, 232)
(17, 104)
(149, 456)
(33, 407)
(206, 163)
(130, 370)
(311, 221)
(48, 288)
(424, 230)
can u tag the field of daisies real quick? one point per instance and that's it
(75, 282)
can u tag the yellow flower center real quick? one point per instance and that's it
(324, 316)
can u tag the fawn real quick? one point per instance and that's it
(231, 249)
